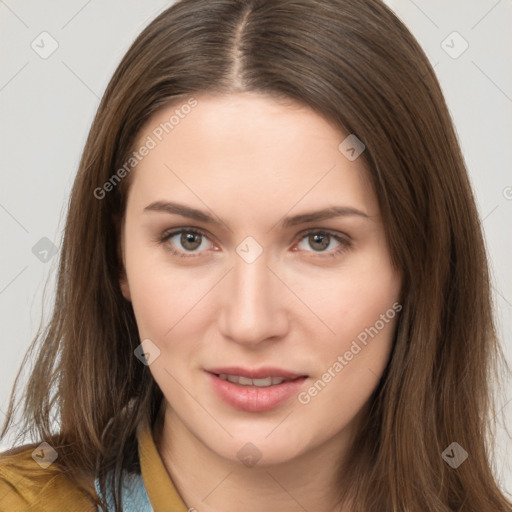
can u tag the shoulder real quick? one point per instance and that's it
(27, 486)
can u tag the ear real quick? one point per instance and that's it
(123, 278)
(125, 287)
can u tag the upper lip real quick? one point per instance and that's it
(256, 373)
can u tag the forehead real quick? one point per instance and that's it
(249, 147)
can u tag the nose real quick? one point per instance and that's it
(254, 303)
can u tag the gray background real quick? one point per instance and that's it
(47, 105)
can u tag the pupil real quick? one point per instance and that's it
(323, 239)
(187, 240)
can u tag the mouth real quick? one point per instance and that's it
(255, 390)
(260, 377)
(259, 383)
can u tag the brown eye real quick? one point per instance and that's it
(324, 243)
(190, 240)
(185, 242)
(319, 241)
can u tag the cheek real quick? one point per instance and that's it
(161, 303)
(153, 291)
(170, 304)
(350, 363)
(367, 302)
(353, 298)
(361, 308)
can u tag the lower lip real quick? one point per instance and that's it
(252, 398)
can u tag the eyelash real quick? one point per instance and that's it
(344, 242)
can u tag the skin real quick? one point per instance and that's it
(251, 160)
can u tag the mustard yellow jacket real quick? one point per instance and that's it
(25, 486)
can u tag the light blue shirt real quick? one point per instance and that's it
(134, 497)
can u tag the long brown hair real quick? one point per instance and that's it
(357, 65)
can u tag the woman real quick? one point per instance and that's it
(271, 274)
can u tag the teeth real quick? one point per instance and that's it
(260, 383)
(244, 381)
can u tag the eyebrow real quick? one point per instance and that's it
(202, 216)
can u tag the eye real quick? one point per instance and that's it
(192, 242)
(186, 242)
(321, 241)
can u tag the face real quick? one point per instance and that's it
(254, 247)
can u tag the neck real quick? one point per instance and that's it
(215, 484)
